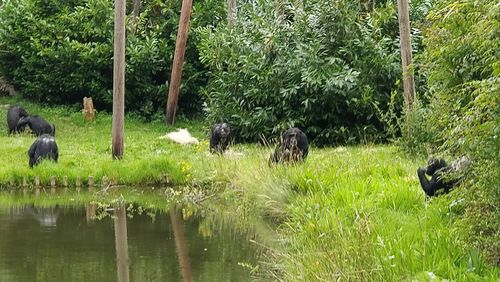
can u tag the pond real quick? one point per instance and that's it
(121, 242)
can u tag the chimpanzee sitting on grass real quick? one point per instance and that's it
(442, 175)
(14, 114)
(219, 139)
(38, 125)
(292, 147)
(44, 147)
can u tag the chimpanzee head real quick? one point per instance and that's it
(222, 130)
(219, 141)
(292, 147)
(290, 138)
(434, 164)
(23, 112)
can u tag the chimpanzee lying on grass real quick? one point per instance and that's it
(14, 114)
(443, 176)
(292, 147)
(219, 139)
(38, 125)
(44, 147)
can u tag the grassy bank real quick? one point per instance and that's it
(351, 214)
(355, 213)
(85, 149)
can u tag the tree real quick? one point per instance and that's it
(118, 80)
(180, 49)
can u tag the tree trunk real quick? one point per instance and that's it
(135, 12)
(405, 39)
(118, 80)
(231, 13)
(180, 49)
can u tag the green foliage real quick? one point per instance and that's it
(323, 66)
(59, 52)
(463, 63)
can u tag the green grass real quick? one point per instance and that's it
(85, 149)
(355, 213)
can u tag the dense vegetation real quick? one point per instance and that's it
(60, 51)
(462, 58)
(325, 66)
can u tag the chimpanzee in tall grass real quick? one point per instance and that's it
(44, 147)
(443, 176)
(292, 147)
(14, 114)
(219, 138)
(38, 125)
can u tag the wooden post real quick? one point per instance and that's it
(405, 41)
(37, 186)
(91, 183)
(78, 184)
(88, 109)
(65, 183)
(118, 80)
(25, 182)
(180, 49)
(231, 13)
(53, 184)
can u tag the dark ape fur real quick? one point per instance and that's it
(14, 114)
(219, 139)
(292, 147)
(442, 175)
(44, 147)
(38, 125)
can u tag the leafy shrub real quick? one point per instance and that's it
(60, 51)
(463, 63)
(323, 66)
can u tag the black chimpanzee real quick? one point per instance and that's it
(38, 125)
(14, 114)
(292, 147)
(219, 139)
(44, 147)
(442, 174)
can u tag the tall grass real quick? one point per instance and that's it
(348, 214)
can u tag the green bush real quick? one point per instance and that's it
(463, 63)
(324, 66)
(60, 51)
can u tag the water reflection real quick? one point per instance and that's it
(45, 216)
(82, 243)
(180, 245)
(121, 243)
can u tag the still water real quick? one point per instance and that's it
(88, 243)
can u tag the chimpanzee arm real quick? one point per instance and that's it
(431, 186)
